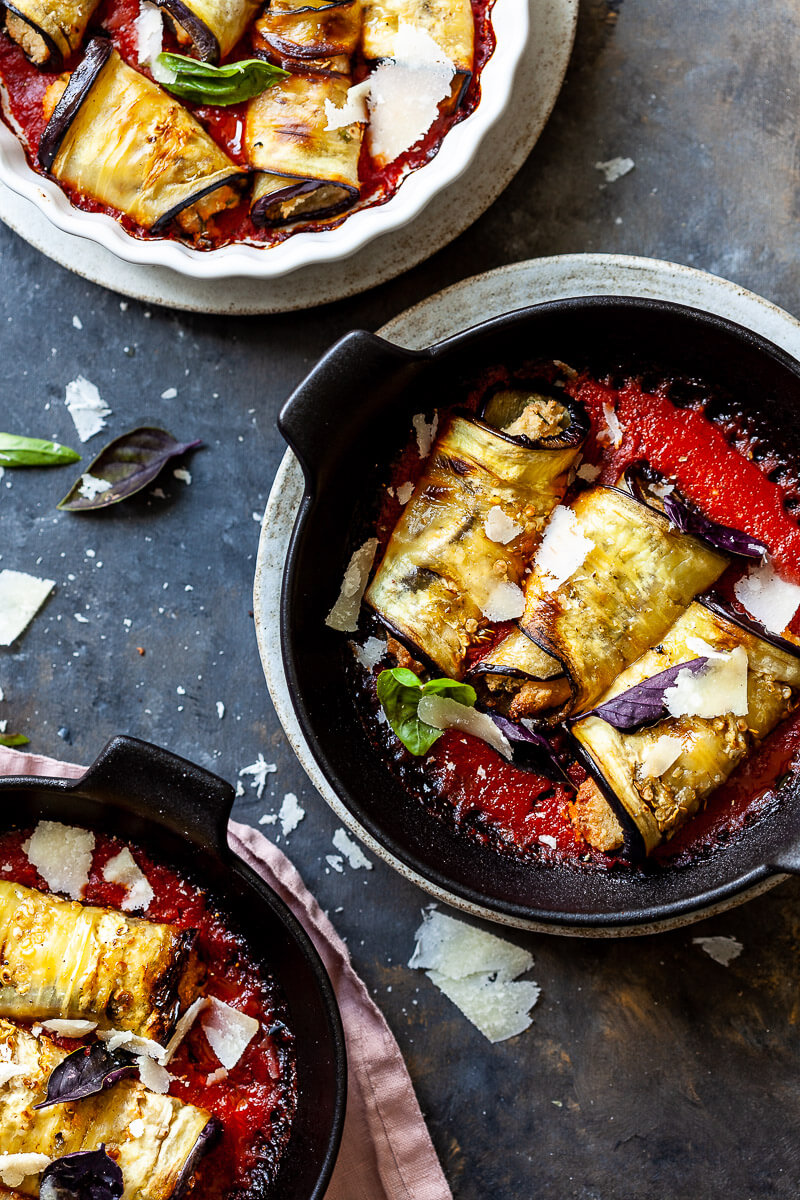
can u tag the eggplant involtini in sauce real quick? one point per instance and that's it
(660, 529)
(257, 170)
(148, 985)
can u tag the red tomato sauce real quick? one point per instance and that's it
(257, 1101)
(526, 813)
(25, 87)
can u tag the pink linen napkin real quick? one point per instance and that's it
(386, 1151)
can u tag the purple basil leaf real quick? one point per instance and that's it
(128, 464)
(644, 702)
(85, 1175)
(527, 739)
(721, 537)
(86, 1072)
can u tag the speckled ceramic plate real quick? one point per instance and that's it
(459, 307)
(498, 158)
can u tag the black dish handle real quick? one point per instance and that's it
(351, 386)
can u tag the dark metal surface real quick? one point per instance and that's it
(650, 1070)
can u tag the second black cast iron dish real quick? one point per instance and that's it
(345, 422)
(179, 813)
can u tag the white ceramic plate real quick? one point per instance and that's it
(457, 308)
(449, 213)
(510, 23)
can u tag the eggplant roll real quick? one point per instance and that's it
(153, 1164)
(49, 31)
(321, 41)
(212, 26)
(305, 170)
(121, 139)
(637, 578)
(449, 22)
(625, 792)
(60, 958)
(442, 569)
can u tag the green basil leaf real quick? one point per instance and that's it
(126, 465)
(33, 452)
(13, 739)
(203, 83)
(400, 691)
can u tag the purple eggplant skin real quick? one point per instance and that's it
(85, 1175)
(81, 82)
(207, 1138)
(719, 606)
(299, 187)
(203, 40)
(644, 702)
(87, 1071)
(55, 60)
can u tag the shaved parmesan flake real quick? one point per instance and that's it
(143, 1046)
(351, 850)
(86, 408)
(91, 486)
(344, 614)
(444, 713)
(588, 473)
(149, 32)
(354, 109)
(259, 770)
(154, 1077)
(505, 602)
(661, 755)
(370, 654)
(136, 1127)
(722, 949)
(220, 709)
(426, 432)
(612, 434)
(14, 1168)
(217, 1076)
(291, 814)
(62, 854)
(615, 168)
(562, 549)
(477, 971)
(403, 104)
(185, 1023)
(771, 600)
(182, 474)
(229, 1031)
(9, 1071)
(336, 861)
(69, 1029)
(21, 597)
(404, 492)
(547, 839)
(721, 687)
(499, 527)
(123, 868)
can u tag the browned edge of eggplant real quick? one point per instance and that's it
(300, 187)
(296, 50)
(207, 1137)
(56, 59)
(165, 995)
(510, 672)
(203, 40)
(81, 82)
(235, 179)
(722, 608)
(576, 432)
(633, 848)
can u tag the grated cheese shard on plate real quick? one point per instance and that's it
(62, 854)
(229, 1031)
(719, 688)
(344, 614)
(370, 654)
(562, 549)
(425, 431)
(87, 409)
(21, 597)
(351, 850)
(154, 1077)
(124, 869)
(771, 600)
(185, 1023)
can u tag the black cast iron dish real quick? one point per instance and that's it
(345, 422)
(180, 813)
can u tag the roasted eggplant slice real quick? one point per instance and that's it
(212, 26)
(60, 958)
(437, 585)
(305, 170)
(121, 139)
(48, 31)
(630, 790)
(638, 577)
(321, 40)
(449, 22)
(151, 1137)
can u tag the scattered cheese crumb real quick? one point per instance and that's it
(547, 839)
(291, 814)
(562, 549)
(351, 851)
(123, 868)
(86, 408)
(91, 486)
(426, 432)
(81, 619)
(77, 323)
(169, 394)
(218, 1076)
(229, 1031)
(660, 756)
(154, 1077)
(500, 527)
(505, 602)
(268, 819)
(722, 949)
(404, 492)
(182, 474)
(220, 709)
(370, 654)
(588, 472)
(69, 1029)
(185, 1023)
(149, 32)
(613, 432)
(344, 614)
(442, 712)
(14, 1168)
(336, 861)
(259, 770)
(354, 109)
(771, 600)
(21, 597)
(62, 854)
(615, 168)
(719, 688)
(136, 1127)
